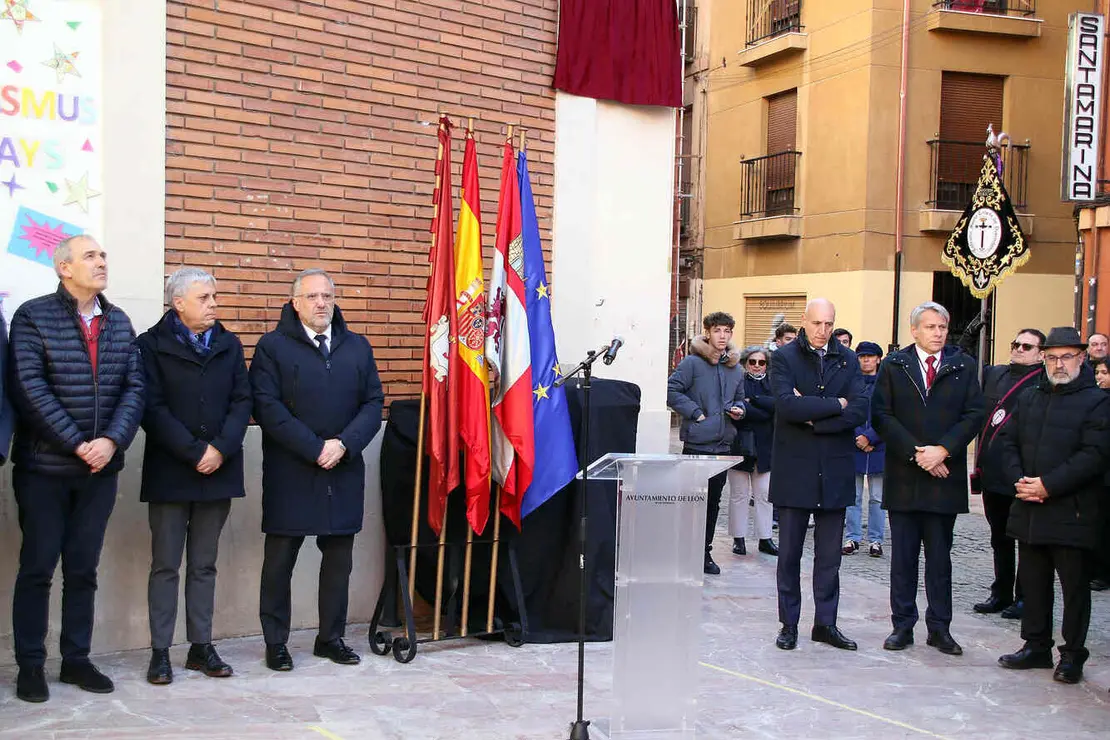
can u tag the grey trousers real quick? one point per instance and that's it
(193, 527)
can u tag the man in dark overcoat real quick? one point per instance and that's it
(1002, 386)
(318, 400)
(707, 391)
(7, 413)
(77, 386)
(927, 407)
(819, 401)
(198, 405)
(1055, 452)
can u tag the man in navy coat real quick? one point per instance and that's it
(7, 415)
(819, 401)
(319, 401)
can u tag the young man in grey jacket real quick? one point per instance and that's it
(707, 391)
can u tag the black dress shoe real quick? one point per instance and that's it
(278, 657)
(336, 651)
(1013, 611)
(769, 547)
(160, 671)
(711, 568)
(1026, 658)
(943, 642)
(787, 639)
(898, 640)
(1068, 671)
(204, 658)
(30, 685)
(830, 635)
(84, 675)
(993, 605)
(738, 546)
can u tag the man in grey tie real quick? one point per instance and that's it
(318, 400)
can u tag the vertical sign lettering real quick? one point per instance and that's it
(1084, 104)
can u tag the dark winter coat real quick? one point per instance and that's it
(758, 424)
(870, 463)
(997, 381)
(951, 415)
(59, 402)
(193, 401)
(703, 383)
(1061, 435)
(301, 400)
(814, 442)
(7, 413)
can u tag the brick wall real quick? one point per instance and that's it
(302, 134)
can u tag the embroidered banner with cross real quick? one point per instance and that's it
(987, 244)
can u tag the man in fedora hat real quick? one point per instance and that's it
(1054, 452)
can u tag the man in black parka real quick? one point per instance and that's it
(1055, 452)
(819, 401)
(77, 386)
(198, 405)
(927, 407)
(318, 400)
(7, 413)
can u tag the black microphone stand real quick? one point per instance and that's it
(580, 728)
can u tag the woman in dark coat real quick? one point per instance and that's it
(752, 478)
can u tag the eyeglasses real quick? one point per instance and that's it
(313, 297)
(1054, 359)
(1023, 346)
(758, 363)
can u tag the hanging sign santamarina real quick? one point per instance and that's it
(987, 244)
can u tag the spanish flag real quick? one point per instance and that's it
(473, 381)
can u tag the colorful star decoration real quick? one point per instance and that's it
(541, 391)
(18, 13)
(63, 64)
(11, 185)
(542, 291)
(79, 192)
(43, 238)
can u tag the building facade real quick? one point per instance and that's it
(802, 151)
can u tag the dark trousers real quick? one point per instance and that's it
(713, 505)
(1006, 586)
(1099, 558)
(908, 532)
(193, 527)
(59, 517)
(828, 526)
(275, 602)
(1039, 566)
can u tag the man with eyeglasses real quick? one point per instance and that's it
(1054, 453)
(1002, 385)
(318, 400)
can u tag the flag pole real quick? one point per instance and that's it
(493, 559)
(415, 532)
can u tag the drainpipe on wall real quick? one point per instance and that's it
(900, 184)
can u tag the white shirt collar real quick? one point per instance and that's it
(97, 311)
(923, 357)
(312, 333)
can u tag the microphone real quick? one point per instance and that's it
(611, 352)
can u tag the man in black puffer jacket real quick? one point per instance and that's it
(319, 401)
(77, 386)
(1055, 452)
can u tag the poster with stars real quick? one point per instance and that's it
(50, 160)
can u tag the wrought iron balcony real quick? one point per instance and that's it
(767, 185)
(770, 18)
(1023, 8)
(955, 168)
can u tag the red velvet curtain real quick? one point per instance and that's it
(623, 50)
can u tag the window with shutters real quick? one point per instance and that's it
(767, 184)
(763, 312)
(968, 104)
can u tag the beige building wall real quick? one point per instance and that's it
(848, 103)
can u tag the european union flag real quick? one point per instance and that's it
(556, 461)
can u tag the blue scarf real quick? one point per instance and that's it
(196, 342)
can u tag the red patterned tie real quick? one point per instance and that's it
(931, 372)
